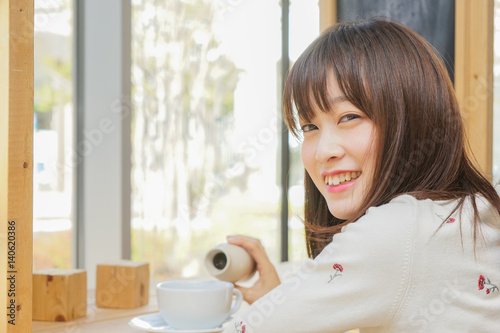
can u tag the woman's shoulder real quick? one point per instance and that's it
(406, 219)
(382, 229)
(402, 206)
(399, 213)
(403, 215)
(439, 222)
(429, 212)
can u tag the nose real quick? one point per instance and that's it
(329, 147)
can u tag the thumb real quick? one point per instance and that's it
(247, 294)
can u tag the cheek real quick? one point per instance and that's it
(367, 153)
(308, 154)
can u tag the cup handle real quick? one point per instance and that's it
(237, 302)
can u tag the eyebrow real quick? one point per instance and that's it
(332, 102)
(337, 100)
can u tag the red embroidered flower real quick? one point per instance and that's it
(448, 220)
(486, 283)
(240, 328)
(481, 282)
(338, 270)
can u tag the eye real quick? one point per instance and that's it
(349, 117)
(308, 127)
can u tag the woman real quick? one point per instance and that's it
(402, 231)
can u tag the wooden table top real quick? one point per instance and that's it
(99, 320)
(116, 320)
(104, 320)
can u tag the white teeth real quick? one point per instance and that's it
(341, 178)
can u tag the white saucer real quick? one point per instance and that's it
(155, 323)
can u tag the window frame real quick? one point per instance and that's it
(102, 54)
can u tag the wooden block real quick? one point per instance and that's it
(59, 294)
(122, 284)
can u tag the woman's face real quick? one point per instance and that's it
(338, 153)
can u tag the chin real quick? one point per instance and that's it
(341, 217)
(341, 214)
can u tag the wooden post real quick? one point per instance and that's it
(327, 13)
(16, 164)
(474, 76)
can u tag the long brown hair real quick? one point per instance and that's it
(394, 76)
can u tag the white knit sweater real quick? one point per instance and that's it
(394, 270)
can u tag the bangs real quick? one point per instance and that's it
(308, 83)
(306, 88)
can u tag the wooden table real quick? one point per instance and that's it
(102, 320)
(99, 320)
(116, 320)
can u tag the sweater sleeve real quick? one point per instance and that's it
(358, 281)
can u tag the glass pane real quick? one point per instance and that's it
(205, 139)
(304, 27)
(496, 96)
(53, 137)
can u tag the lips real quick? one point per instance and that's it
(341, 178)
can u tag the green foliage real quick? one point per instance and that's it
(53, 84)
(183, 88)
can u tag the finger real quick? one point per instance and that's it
(241, 239)
(265, 267)
(254, 247)
(245, 292)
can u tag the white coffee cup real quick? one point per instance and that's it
(197, 304)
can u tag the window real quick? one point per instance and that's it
(53, 136)
(207, 81)
(206, 130)
(304, 27)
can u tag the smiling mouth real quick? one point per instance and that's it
(341, 178)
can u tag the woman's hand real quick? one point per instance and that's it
(268, 277)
